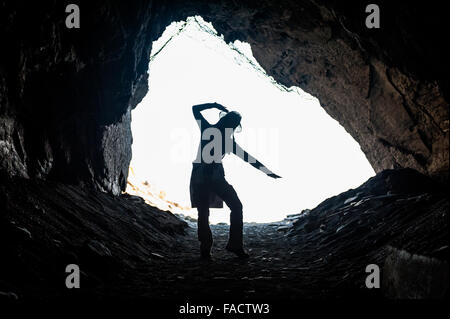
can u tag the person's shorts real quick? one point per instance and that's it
(203, 179)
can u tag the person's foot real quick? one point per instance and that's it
(206, 257)
(205, 250)
(238, 251)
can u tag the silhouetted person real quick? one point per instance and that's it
(208, 187)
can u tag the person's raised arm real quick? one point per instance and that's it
(252, 161)
(196, 109)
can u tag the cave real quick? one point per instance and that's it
(66, 96)
(191, 63)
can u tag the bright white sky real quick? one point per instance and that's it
(287, 131)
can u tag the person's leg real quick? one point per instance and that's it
(229, 195)
(203, 230)
(199, 191)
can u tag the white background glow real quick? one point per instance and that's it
(288, 132)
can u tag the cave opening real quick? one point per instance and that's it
(191, 64)
(66, 98)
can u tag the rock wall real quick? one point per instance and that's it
(66, 94)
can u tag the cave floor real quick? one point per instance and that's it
(275, 269)
(316, 259)
(127, 249)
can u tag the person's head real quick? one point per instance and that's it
(230, 120)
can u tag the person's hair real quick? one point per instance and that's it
(230, 120)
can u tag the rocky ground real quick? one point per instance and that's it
(323, 253)
(127, 249)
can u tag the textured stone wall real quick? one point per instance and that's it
(66, 94)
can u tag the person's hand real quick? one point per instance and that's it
(273, 175)
(221, 107)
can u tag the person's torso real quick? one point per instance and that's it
(213, 146)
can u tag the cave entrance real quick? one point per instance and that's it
(285, 128)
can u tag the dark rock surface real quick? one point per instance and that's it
(66, 94)
(408, 276)
(128, 250)
(44, 226)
